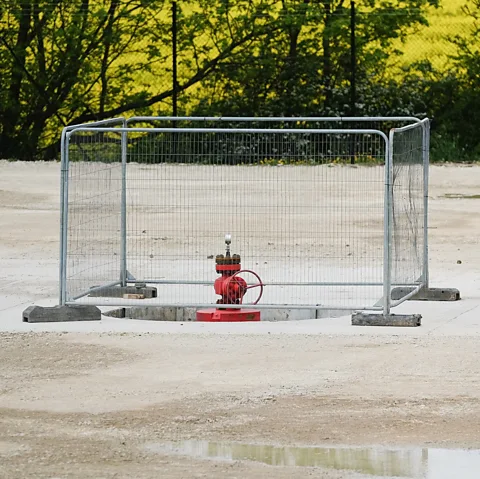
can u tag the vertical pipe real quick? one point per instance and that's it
(426, 163)
(123, 210)
(174, 58)
(62, 212)
(64, 219)
(387, 233)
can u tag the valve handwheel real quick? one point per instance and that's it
(246, 288)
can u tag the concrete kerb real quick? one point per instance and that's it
(163, 313)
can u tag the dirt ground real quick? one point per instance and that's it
(90, 404)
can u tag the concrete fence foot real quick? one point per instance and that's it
(379, 319)
(427, 294)
(58, 314)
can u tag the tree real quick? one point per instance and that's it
(60, 58)
(304, 66)
(457, 96)
(71, 61)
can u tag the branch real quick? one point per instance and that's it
(199, 76)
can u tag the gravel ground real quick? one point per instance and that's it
(83, 404)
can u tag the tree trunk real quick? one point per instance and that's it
(327, 57)
(11, 113)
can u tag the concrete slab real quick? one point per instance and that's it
(29, 264)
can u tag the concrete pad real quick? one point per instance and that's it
(29, 251)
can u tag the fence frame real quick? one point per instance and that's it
(424, 279)
(111, 125)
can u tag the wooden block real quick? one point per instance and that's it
(133, 296)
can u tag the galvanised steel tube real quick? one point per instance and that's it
(273, 119)
(236, 130)
(115, 302)
(123, 212)
(388, 216)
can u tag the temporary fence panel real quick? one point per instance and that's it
(409, 179)
(91, 200)
(154, 204)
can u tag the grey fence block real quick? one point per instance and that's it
(58, 314)
(427, 294)
(379, 319)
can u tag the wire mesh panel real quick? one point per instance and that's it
(93, 211)
(300, 215)
(306, 209)
(408, 154)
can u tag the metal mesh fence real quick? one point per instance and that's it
(408, 207)
(300, 216)
(93, 211)
(158, 202)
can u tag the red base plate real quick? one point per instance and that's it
(228, 315)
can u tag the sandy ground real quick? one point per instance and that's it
(89, 400)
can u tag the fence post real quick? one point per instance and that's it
(426, 163)
(123, 211)
(65, 141)
(388, 217)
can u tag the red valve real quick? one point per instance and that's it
(232, 288)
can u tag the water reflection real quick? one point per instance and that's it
(374, 461)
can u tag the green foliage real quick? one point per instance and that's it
(72, 61)
(303, 66)
(459, 111)
(61, 60)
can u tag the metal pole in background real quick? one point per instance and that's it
(353, 66)
(353, 60)
(174, 58)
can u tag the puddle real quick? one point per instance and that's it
(460, 196)
(421, 463)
